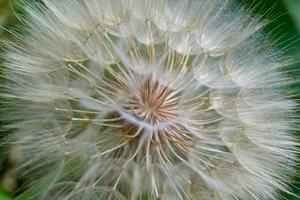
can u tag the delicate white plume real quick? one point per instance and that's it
(150, 99)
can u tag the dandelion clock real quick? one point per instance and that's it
(149, 100)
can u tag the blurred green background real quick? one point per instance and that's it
(289, 29)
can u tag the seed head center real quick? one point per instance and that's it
(153, 102)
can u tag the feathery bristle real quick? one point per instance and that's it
(154, 99)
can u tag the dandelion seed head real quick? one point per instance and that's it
(132, 99)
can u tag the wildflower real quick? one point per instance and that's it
(155, 99)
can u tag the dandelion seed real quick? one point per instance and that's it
(168, 99)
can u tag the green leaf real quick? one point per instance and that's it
(294, 7)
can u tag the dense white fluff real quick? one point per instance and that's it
(150, 99)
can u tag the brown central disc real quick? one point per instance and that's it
(153, 103)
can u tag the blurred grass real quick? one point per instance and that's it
(4, 195)
(289, 31)
(7, 16)
(7, 20)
